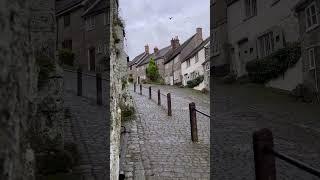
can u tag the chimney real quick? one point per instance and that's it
(175, 42)
(156, 50)
(199, 32)
(146, 49)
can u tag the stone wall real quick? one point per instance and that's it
(30, 91)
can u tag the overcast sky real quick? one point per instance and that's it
(147, 22)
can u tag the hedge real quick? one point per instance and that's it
(195, 82)
(274, 65)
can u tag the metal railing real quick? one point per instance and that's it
(265, 154)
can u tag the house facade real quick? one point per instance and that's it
(256, 29)
(179, 52)
(191, 66)
(132, 65)
(82, 27)
(220, 51)
(309, 24)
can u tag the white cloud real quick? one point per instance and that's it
(147, 22)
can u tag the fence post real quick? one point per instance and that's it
(149, 92)
(159, 97)
(193, 122)
(140, 89)
(134, 87)
(79, 84)
(265, 168)
(99, 88)
(169, 104)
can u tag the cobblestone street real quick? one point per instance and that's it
(164, 142)
(242, 109)
(88, 128)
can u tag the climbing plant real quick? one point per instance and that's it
(274, 65)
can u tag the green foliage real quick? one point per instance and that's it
(46, 67)
(130, 79)
(275, 65)
(152, 71)
(66, 56)
(195, 82)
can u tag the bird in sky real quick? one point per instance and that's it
(170, 18)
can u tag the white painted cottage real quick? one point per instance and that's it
(191, 66)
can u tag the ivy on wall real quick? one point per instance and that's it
(274, 65)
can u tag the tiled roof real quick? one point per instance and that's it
(162, 52)
(62, 5)
(300, 5)
(174, 52)
(137, 59)
(97, 7)
(197, 49)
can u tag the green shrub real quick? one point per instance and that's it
(130, 79)
(152, 71)
(195, 82)
(66, 56)
(275, 65)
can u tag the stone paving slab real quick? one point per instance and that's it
(167, 151)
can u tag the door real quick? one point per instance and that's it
(138, 79)
(92, 57)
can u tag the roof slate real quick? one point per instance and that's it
(97, 7)
(162, 52)
(62, 5)
(197, 49)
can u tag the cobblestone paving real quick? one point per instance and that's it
(89, 129)
(165, 142)
(241, 110)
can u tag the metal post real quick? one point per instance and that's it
(99, 88)
(134, 87)
(265, 168)
(140, 89)
(159, 97)
(193, 122)
(79, 84)
(149, 92)
(169, 104)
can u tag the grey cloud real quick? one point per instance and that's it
(147, 21)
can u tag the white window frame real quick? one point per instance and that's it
(313, 24)
(188, 63)
(196, 57)
(250, 7)
(90, 23)
(311, 58)
(266, 44)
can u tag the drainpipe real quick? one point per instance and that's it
(316, 80)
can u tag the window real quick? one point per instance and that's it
(67, 44)
(207, 67)
(206, 52)
(311, 58)
(106, 18)
(311, 16)
(90, 23)
(131, 69)
(188, 63)
(250, 8)
(216, 45)
(266, 44)
(66, 20)
(196, 58)
(105, 48)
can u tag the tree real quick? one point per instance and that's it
(152, 71)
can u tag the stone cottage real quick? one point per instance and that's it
(132, 65)
(256, 29)
(178, 52)
(191, 65)
(309, 21)
(82, 27)
(158, 56)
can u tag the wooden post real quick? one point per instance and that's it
(193, 122)
(265, 167)
(159, 97)
(134, 87)
(150, 92)
(99, 88)
(169, 104)
(140, 89)
(79, 84)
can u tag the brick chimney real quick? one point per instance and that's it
(175, 42)
(156, 50)
(199, 32)
(146, 49)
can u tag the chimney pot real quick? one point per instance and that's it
(156, 50)
(146, 49)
